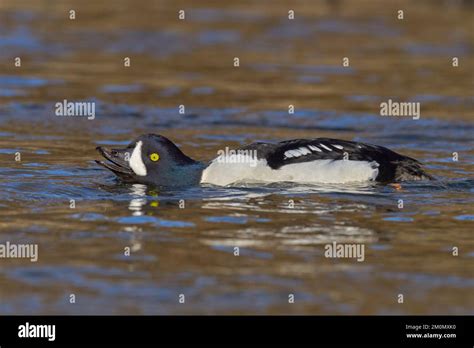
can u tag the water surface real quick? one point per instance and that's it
(280, 230)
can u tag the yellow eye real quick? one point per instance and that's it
(154, 157)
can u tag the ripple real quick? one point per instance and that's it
(465, 217)
(132, 220)
(399, 219)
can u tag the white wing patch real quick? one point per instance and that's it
(325, 147)
(297, 152)
(301, 151)
(292, 153)
(315, 148)
(136, 162)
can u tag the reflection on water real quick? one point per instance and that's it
(131, 249)
(136, 204)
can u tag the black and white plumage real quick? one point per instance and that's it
(320, 160)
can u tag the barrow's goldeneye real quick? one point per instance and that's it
(155, 160)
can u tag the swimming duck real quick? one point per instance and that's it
(153, 159)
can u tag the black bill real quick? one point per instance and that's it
(117, 162)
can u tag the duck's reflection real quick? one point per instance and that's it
(138, 192)
(135, 238)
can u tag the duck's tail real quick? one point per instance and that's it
(410, 169)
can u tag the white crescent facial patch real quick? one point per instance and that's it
(136, 162)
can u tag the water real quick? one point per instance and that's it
(280, 230)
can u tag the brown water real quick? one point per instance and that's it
(190, 251)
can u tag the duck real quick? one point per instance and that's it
(153, 159)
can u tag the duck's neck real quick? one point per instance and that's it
(185, 175)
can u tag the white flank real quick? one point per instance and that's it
(136, 162)
(318, 171)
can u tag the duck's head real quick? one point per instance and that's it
(151, 159)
